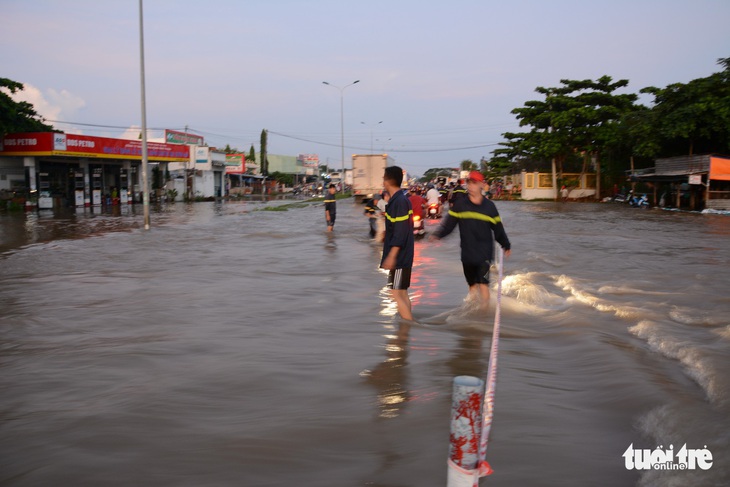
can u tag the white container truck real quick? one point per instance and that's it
(367, 174)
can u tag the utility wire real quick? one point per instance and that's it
(319, 142)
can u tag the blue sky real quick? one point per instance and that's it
(441, 76)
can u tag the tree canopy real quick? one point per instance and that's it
(18, 116)
(435, 172)
(693, 117)
(597, 122)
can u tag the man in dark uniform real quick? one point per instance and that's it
(458, 192)
(398, 243)
(373, 213)
(330, 207)
(479, 225)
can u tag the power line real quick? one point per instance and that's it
(303, 139)
(121, 127)
(449, 149)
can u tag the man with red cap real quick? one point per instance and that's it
(479, 225)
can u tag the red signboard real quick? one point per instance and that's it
(71, 145)
(235, 163)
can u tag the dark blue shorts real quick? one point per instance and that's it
(477, 273)
(399, 278)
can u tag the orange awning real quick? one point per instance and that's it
(719, 169)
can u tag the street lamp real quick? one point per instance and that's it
(145, 157)
(342, 126)
(383, 141)
(371, 133)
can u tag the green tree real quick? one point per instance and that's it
(579, 118)
(18, 116)
(691, 118)
(264, 153)
(286, 179)
(231, 150)
(435, 172)
(251, 154)
(468, 165)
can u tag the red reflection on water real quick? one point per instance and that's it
(424, 285)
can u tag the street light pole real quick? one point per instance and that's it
(145, 165)
(371, 133)
(342, 126)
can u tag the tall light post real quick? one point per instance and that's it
(383, 141)
(342, 126)
(371, 133)
(145, 167)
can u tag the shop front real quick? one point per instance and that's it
(68, 170)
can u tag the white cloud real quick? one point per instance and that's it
(68, 103)
(133, 133)
(54, 105)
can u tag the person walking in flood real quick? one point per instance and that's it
(373, 213)
(330, 208)
(398, 245)
(479, 225)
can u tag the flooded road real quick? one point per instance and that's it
(230, 346)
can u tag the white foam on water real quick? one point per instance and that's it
(695, 317)
(626, 290)
(699, 362)
(583, 296)
(723, 333)
(527, 294)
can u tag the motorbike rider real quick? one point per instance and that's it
(443, 191)
(418, 203)
(434, 198)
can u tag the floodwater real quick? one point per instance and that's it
(229, 346)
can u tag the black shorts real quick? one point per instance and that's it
(477, 273)
(399, 278)
(331, 221)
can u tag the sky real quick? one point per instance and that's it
(442, 77)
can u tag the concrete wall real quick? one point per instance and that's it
(536, 185)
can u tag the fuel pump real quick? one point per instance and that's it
(96, 187)
(123, 187)
(78, 189)
(45, 200)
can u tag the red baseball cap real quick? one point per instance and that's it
(476, 176)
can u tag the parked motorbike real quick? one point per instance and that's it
(434, 210)
(639, 201)
(418, 227)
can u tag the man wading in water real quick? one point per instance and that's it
(398, 242)
(330, 208)
(479, 225)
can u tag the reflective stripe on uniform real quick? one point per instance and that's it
(329, 201)
(399, 218)
(473, 215)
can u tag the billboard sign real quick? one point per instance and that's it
(72, 145)
(175, 137)
(309, 160)
(235, 163)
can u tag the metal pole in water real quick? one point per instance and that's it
(466, 424)
(483, 469)
(471, 414)
(145, 183)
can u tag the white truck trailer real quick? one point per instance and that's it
(367, 174)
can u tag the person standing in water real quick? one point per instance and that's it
(330, 208)
(398, 245)
(479, 225)
(373, 213)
